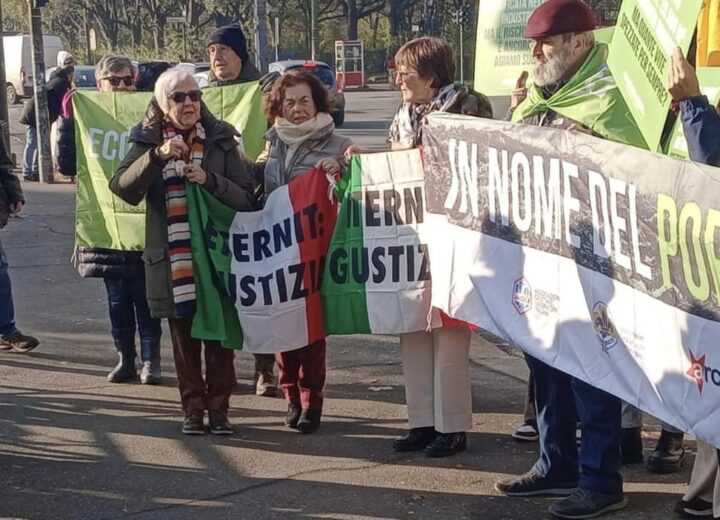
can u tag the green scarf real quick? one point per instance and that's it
(590, 97)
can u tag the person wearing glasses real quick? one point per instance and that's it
(302, 137)
(436, 363)
(179, 142)
(121, 271)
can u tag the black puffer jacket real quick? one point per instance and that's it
(95, 262)
(65, 147)
(56, 89)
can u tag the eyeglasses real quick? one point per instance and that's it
(403, 75)
(116, 80)
(179, 97)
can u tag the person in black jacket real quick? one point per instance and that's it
(230, 64)
(11, 202)
(123, 271)
(56, 89)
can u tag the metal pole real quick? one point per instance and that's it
(313, 28)
(184, 37)
(4, 117)
(86, 29)
(277, 38)
(462, 56)
(42, 119)
(261, 34)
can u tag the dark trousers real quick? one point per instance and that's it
(129, 311)
(302, 375)
(7, 311)
(196, 393)
(561, 400)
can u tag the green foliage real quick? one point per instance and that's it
(139, 28)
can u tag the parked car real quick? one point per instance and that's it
(148, 73)
(85, 77)
(325, 73)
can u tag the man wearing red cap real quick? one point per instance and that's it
(572, 85)
(573, 89)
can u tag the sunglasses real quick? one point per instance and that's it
(179, 97)
(116, 80)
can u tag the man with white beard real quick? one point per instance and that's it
(573, 89)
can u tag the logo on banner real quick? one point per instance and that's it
(701, 373)
(604, 328)
(522, 295)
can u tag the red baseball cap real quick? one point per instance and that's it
(559, 17)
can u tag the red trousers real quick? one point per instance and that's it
(302, 375)
(198, 393)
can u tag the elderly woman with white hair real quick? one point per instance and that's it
(180, 141)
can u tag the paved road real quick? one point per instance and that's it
(73, 446)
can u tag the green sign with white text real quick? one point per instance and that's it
(646, 34)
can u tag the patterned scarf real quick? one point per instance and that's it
(183, 283)
(406, 128)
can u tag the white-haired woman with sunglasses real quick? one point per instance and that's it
(180, 142)
(122, 271)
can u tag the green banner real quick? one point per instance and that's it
(501, 52)
(710, 86)
(646, 34)
(102, 129)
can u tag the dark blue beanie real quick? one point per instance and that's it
(232, 36)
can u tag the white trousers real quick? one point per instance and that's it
(705, 478)
(436, 367)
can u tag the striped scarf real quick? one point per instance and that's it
(183, 283)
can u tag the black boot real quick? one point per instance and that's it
(125, 369)
(668, 455)
(293, 416)
(415, 440)
(309, 421)
(446, 444)
(631, 446)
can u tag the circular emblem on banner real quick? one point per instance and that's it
(604, 328)
(522, 295)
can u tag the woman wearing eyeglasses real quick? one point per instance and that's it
(180, 141)
(436, 364)
(121, 271)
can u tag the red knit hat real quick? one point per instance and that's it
(559, 17)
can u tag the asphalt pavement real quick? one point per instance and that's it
(73, 446)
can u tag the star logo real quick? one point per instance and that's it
(697, 370)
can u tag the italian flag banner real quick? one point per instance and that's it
(103, 121)
(257, 274)
(377, 274)
(307, 266)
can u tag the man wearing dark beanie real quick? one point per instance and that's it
(230, 64)
(573, 89)
(229, 59)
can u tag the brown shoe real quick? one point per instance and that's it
(193, 423)
(265, 384)
(219, 423)
(19, 342)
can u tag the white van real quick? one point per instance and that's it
(18, 63)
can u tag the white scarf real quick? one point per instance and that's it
(292, 134)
